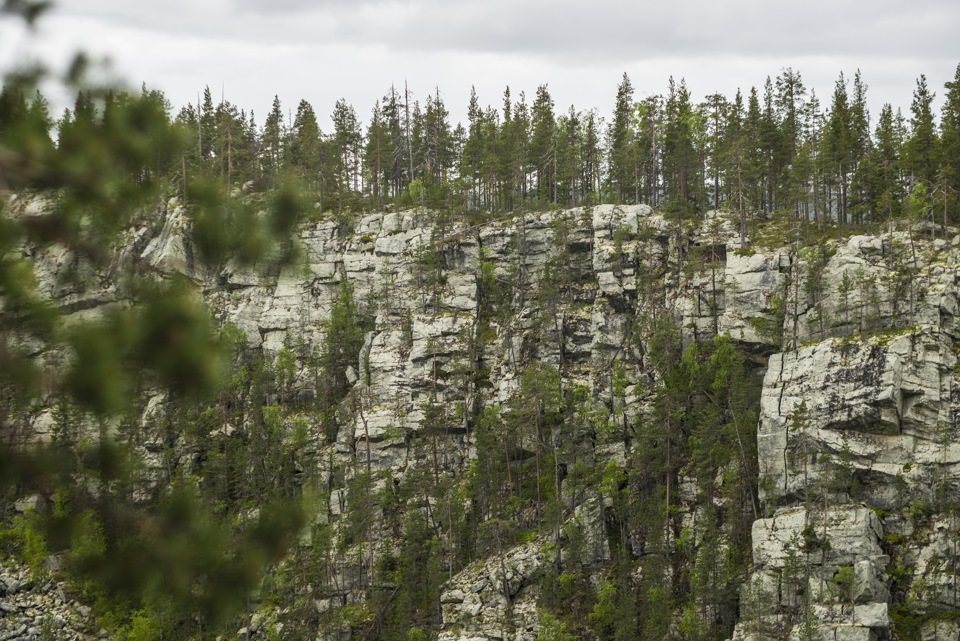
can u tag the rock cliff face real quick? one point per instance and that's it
(867, 420)
(855, 340)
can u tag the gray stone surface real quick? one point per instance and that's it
(842, 329)
(34, 610)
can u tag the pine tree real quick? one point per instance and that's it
(716, 109)
(249, 148)
(272, 149)
(592, 168)
(347, 141)
(418, 141)
(861, 161)
(521, 145)
(887, 190)
(377, 155)
(649, 136)
(948, 183)
(25, 125)
(733, 161)
(752, 126)
(569, 162)
(813, 124)
(510, 161)
(790, 103)
(304, 145)
(438, 148)
(156, 555)
(396, 168)
(802, 172)
(227, 117)
(771, 145)
(473, 147)
(490, 158)
(208, 124)
(681, 177)
(921, 149)
(542, 151)
(839, 142)
(620, 146)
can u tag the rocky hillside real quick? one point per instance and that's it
(592, 423)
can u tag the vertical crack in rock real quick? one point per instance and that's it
(857, 520)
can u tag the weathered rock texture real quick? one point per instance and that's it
(858, 448)
(34, 609)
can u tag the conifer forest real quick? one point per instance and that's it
(688, 370)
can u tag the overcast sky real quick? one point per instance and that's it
(323, 50)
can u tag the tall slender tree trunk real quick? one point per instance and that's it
(667, 519)
(406, 110)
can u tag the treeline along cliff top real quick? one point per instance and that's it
(683, 371)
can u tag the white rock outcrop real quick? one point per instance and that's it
(858, 439)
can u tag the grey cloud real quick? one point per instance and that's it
(326, 48)
(273, 7)
(609, 29)
(570, 31)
